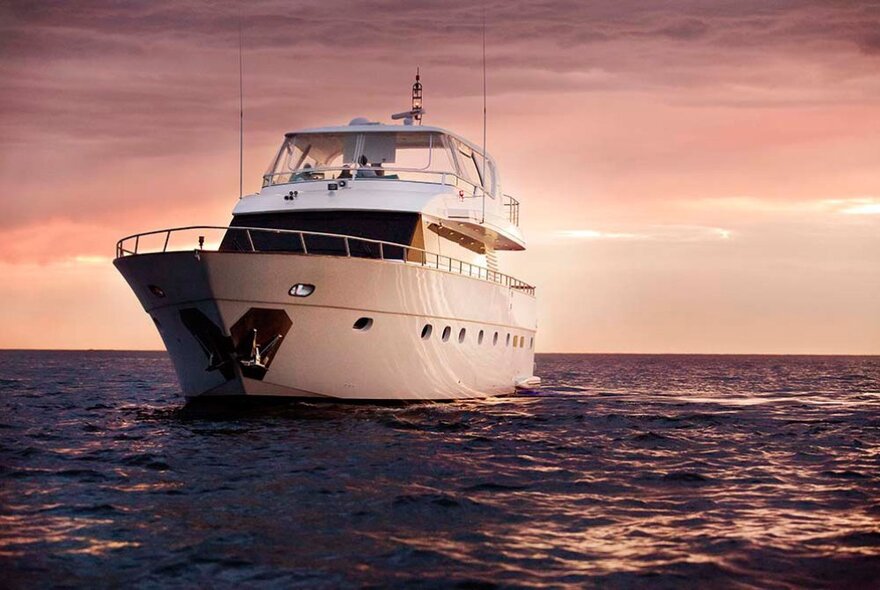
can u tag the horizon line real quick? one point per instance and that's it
(854, 354)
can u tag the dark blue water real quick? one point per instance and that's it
(624, 471)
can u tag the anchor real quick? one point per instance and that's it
(242, 345)
(257, 352)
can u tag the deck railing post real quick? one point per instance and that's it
(381, 251)
(347, 247)
(136, 240)
(167, 237)
(302, 241)
(250, 240)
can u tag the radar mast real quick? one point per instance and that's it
(416, 112)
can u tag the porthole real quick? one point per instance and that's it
(480, 337)
(426, 331)
(495, 339)
(301, 290)
(156, 290)
(363, 324)
(461, 335)
(508, 339)
(446, 332)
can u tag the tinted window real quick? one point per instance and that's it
(374, 225)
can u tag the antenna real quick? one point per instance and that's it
(240, 113)
(485, 154)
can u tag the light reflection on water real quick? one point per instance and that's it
(623, 471)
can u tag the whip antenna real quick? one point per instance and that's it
(240, 113)
(485, 154)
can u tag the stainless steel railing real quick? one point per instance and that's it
(513, 209)
(299, 244)
(358, 173)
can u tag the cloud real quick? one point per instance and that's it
(92, 260)
(149, 78)
(111, 109)
(686, 29)
(826, 207)
(859, 206)
(593, 234)
(652, 233)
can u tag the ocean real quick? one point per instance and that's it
(623, 471)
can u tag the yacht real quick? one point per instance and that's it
(365, 268)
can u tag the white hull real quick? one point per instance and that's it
(321, 354)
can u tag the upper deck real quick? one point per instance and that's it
(406, 168)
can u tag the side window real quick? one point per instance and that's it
(467, 163)
(471, 164)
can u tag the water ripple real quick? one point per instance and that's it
(623, 471)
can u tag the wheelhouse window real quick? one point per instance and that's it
(380, 155)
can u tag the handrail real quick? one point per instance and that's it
(422, 257)
(476, 191)
(269, 178)
(513, 213)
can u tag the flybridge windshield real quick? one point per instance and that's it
(409, 155)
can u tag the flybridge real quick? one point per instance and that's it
(334, 158)
(366, 149)
(349, 172)
(381, 151)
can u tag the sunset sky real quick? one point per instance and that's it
(694, 176)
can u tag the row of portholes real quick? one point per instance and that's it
(518, 341)
(364, 324)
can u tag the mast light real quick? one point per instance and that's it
(417, 99)
(416, 112)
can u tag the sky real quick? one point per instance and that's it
(695, 177)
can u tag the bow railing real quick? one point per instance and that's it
(264, 240)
